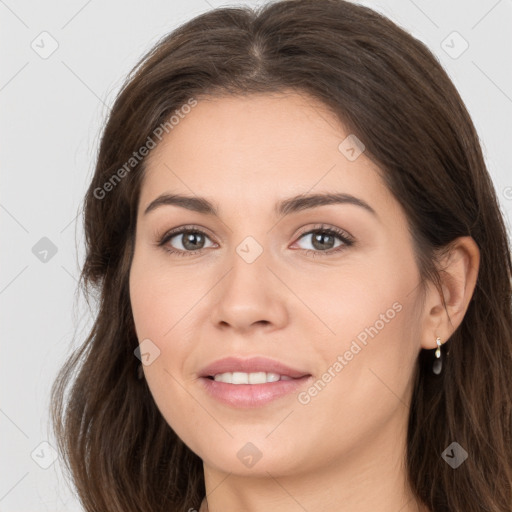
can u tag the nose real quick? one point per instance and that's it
(250, 295)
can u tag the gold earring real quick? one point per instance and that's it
(438, 361)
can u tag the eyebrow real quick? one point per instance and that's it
(283, 208)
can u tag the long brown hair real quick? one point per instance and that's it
(389, 90)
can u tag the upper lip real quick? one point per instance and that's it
(250, 365)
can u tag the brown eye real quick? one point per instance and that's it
(185, 241)
(323, 240)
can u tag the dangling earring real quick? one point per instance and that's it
(438, 361)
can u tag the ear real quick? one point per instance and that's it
(458, 273)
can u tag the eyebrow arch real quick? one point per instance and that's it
(196, 204)
(303, 202)
(283, 208)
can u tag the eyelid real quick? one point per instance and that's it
(343, 235)
(180, 229)
(325, 227)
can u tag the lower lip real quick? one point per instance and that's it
(252, 395)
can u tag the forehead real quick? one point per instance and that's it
(272, 122)
(245, 149)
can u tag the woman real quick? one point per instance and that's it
(304, 279)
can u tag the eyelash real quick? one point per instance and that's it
(321, 228)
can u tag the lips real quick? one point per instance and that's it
(251, 365)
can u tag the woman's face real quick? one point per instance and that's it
(283, 285)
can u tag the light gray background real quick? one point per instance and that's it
(52, 110)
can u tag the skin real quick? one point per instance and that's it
(293, 304)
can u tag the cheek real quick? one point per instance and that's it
(161, 296)
(349, 301)
(373, 348)
(161, 304)
(367, 376)
(155, 314)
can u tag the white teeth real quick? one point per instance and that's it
(257, 378)
(249, 378)
(239, 378)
